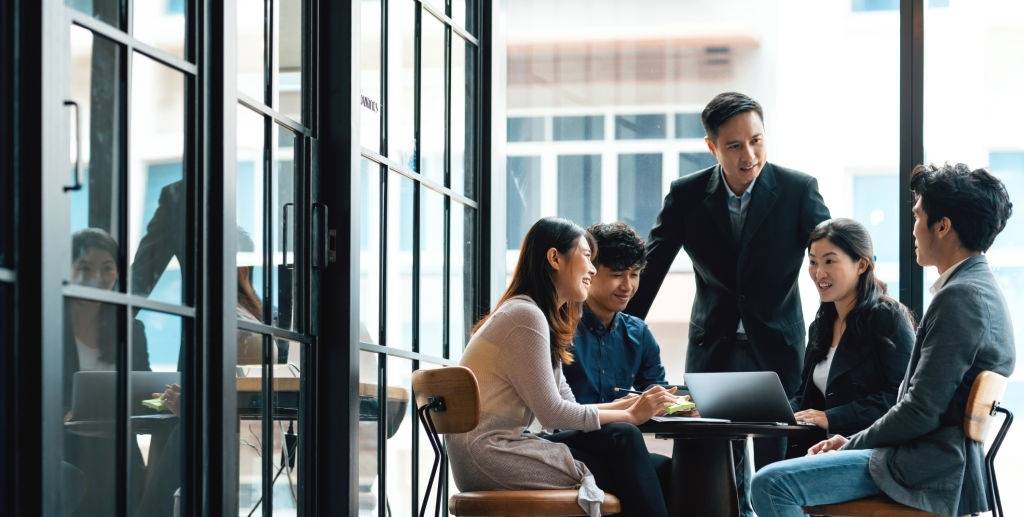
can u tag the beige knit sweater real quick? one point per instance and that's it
(511, 358)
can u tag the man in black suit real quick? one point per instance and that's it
(744, 223)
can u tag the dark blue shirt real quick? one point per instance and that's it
(625, 356)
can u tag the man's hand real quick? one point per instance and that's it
(813, 416)
(652, 402)
(832, 444)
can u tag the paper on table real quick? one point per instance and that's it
(672, 418)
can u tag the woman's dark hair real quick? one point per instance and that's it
(92, 238)
(975, 201)
(854, 240)
(724, 107)
(533, 277)
(620, 247)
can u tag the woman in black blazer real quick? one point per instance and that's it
(859, 343)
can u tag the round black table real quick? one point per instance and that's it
(702, 460)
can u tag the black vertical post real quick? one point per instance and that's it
(911, 145)
(483, 137)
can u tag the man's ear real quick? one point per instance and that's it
(943, 227)
(553, 258)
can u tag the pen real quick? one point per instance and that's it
(624, 390)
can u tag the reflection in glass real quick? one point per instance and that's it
(370, 74)
(249, 206)
(462, 258)
(522, 197)
(108, 11)
(369, 253)
(639, 177)
(250, 424)
(251, 49)
(287, 452)
(431, 327)
(399, 417)
(156, 409)
(288, 43)
(579, 188)
(95, 67)
(432, 88)
(400, 260)
(284, 228)
(401, 107)
(463, 168)
(157, 204)
(369, 426)
(161, 24)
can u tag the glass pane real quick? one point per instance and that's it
(284, 228)
(588, 127)
(525, 129)
(108, 11)
(250, 420)
(251, 49)
(693, 162)
(461, 315)
(635, 127)
(463, 130)
(161, 23)
(158, 196)
(522, 197)
(369, 254)
(370, 74)
(401, 82)
(579, 188)
(398, 417)
(95, 337)
(431, 273)
(96, 207)
(288, 46)
(464, 14)
(155, 426)
(249, 205)
(399, 265)
(639, 185)
(432, 107)
(369, 429)
(287, 450)
(689, 125)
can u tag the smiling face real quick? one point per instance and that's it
(924, 237)
(95, 268)
(611, 290)
(572, 272)
(740, 149)
(834, 273)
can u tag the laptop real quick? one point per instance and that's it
(93, 393)
(752, 397)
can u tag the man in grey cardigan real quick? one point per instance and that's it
(917, 452)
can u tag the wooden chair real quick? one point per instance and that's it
(448, 401)
(982, 405)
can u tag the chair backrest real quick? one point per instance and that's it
(456, 386)
(988, 388)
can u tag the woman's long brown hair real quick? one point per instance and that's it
(533, 277)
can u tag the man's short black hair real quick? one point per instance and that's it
(619, 246)
(974, 200)
(724, 107)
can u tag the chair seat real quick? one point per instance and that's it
(879, 506)
(548, 503)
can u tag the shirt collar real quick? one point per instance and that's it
(944, 277)
(729, 191)
(594, 324)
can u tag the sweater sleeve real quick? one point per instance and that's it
(526, 361)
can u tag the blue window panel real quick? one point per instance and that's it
(579, 188)
(522, 197)
(876, 206)
(693, 162)
(175, 6)
(588, 127)
(525, 129)
(640, 127)
(689, 125)
(888, 5)
(1009, 167)
(639, 185)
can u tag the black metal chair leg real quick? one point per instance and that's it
(990, 469)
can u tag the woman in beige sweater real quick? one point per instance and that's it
(516, 353)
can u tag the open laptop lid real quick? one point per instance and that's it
(740, 396)
(94, 393)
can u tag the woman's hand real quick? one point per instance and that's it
(652, 402)
(834, 443)
(171, 397)
(813, 416)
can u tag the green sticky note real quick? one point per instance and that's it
(156, 404)
(684, 405)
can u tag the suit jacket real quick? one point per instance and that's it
(165, 238)
(752, 275)
(922, 458)
(865, 374)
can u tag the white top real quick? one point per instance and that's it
(944, 277)
(89, 358)
(820, 375)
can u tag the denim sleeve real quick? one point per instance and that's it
(651, 370)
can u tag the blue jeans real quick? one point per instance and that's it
(782, 489)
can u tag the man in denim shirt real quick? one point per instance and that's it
(612, 349)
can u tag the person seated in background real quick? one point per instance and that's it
(517, 353)
(917, 452)
(860, 340)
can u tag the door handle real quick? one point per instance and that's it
(321, 218)
(77, 179)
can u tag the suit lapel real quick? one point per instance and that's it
(846, 358)
(761, 202)
(714, 203)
